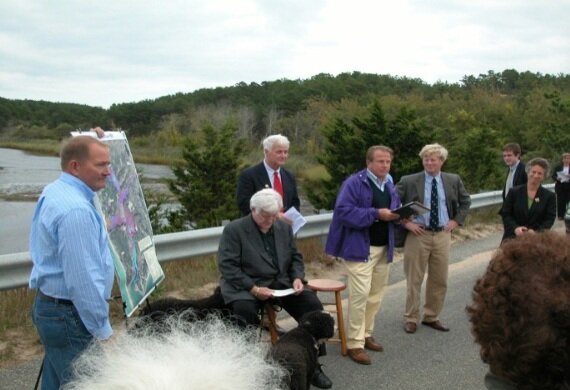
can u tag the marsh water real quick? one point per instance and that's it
(22, 178)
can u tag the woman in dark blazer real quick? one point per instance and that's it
(560, 175)
(530, 207)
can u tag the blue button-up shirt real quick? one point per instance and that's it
(70, 252)
(443, 214)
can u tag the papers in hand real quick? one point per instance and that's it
(283, 293)
(409, 209)
(298, 221)
(562, 177)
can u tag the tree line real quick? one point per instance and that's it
(330, 120)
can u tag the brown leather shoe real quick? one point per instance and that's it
(373, 345)
(359, 355)
(437, 325)
(410, 327)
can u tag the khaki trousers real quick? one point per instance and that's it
(367, 282)
(429, 250)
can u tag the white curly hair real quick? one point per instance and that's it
(209, 354)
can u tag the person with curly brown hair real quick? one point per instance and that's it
(520, 314)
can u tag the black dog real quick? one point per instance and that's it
(297, 350)
(158, 312)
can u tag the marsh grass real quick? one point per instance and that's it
(47, 147)
(146, 153)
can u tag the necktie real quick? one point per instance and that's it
(277, 186)
(434, 213)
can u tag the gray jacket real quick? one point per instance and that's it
(411, 188)
(243, 261)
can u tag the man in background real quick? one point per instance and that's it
(269, 174)
(516, 175)
(427, 248)
(72, 265)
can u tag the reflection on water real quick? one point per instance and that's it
(23, 173)
(24, 176)
(15, 220)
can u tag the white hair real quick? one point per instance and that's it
(267, 200)
(207, 354)
(276, 139)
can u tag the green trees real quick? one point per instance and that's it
(346, 144)
(556, 137)
(206, 180)
(477, 160)
(331, 121)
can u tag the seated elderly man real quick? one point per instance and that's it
(521, 314)
(258, 255)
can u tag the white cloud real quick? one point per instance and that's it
(106, 52)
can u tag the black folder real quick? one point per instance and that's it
(409, 209)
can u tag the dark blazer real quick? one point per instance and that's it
(520, 177)
(558, 168)
(411, 188)
(515, 212)
(243, 261)
(255, 178)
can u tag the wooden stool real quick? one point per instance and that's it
(336, 286)
(268, 310)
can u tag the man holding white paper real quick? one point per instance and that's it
(258, 256)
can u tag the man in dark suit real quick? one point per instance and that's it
(258, 255)
(516, 175)
(560, 176)
(428, 245)
(269, 174)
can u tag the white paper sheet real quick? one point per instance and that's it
(298, 220)
(563, 177)
(283, 293)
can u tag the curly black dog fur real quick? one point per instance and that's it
(297, 350)
(157, 312)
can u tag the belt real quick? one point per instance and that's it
(437, 229)
(59, 301)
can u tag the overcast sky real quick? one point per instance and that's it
(104, 52)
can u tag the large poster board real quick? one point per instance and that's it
(124, 209)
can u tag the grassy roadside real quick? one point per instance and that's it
(191, 278)
(184, 279)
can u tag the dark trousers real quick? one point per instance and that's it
(295, 305)
(562, 197)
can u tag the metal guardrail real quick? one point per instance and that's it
(15, 268)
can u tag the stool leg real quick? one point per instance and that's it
(272, 323)
(340, 322)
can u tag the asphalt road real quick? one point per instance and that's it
(425, 360)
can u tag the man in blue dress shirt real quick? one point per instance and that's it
(72, 265)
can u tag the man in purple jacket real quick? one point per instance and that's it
(362, 234)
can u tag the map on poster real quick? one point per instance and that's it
(124, 209)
